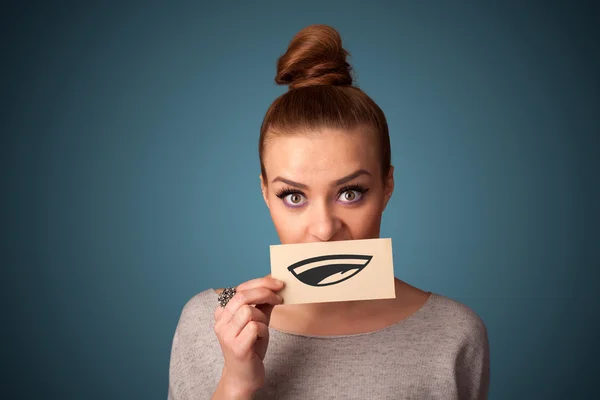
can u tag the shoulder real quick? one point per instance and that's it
(439, 315)
(202, 302)
(464, 340)
(197, 314)
(457, 320)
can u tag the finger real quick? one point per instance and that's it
(250, 334)
(253, 296)
(218, 312)
(245, 315)
(249, 297)
(266, 281)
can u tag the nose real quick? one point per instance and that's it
(324, 224)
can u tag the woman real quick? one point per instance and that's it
(326, 175)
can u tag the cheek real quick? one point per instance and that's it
(287, 223)
(364, 222)
(364, 226)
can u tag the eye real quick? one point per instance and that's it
(294, 199)
(291, 197)
(351, 194)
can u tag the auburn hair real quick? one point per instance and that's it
(321, 94)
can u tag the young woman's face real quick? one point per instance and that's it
(326, 186)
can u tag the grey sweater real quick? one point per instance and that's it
(439, 352)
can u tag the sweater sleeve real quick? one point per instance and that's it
(473, 361)
(196, 360)
(177, 389)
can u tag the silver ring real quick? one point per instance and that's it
(226, 295)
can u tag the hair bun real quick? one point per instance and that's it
(315, 56)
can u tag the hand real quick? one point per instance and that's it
(242, 330)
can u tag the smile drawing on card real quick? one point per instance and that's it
(330, 269)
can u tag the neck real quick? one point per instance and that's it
(329, 310)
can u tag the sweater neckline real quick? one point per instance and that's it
(410, 318)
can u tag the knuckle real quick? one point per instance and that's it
(265, 291)
(240, 297)
(218, 329)
(245, 313)
(242, 286)
(253, 327)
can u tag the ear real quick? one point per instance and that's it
(389, 187)
(263, 189)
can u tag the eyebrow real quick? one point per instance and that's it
(340, 181)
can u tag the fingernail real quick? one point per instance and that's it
(278, 282)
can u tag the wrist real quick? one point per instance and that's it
(233, 390)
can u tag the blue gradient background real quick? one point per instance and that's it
(129, 175)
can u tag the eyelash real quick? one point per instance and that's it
(357, 188)
(281, 193)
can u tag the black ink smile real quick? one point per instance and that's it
(327, 271)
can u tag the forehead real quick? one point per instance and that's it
(327, 154)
